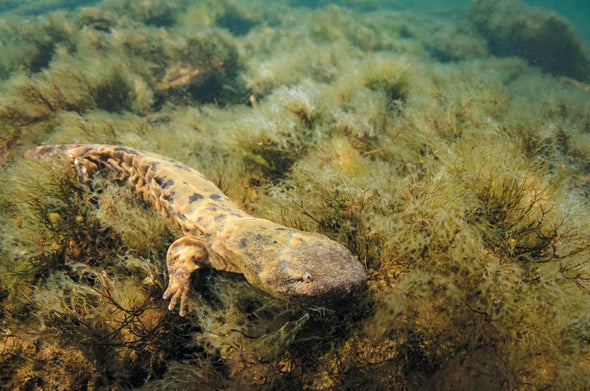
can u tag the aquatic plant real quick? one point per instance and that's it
(104, 301)
(157, 13)
(472, 278)
(541, 37)
(78, 62)
(50, 250)
(279, 130)
(31, 45)
(460, 187)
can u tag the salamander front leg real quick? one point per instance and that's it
(185, 255)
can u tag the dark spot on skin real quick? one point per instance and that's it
(163, 182)
(169, 197)
(243, 243)
(181, 166)
(195, 197)
(219, 217)
(199, 219)
(212, 209)
(263, 239)
(216, 196)
(281, 229)
(154, 165)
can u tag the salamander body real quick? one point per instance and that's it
(281, 261)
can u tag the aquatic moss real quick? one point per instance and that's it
(98, 19)
(100, 303)
(113, 93)
(106, 303)
(353, 4)
(237, 19)
(33, 7)
(43, 220)
(76, 83)
(250, 340)
(279, 130)
(67, 87)
(457, 43)
(459, 187)
(541, 37)
(205, 66)
(89, 64)
(157, 13)
(490, 269)
(424, 235)
(32, 44)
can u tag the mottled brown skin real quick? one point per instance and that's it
(283, 262)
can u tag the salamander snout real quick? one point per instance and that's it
(314, 268)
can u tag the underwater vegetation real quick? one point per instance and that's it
(456, 171)
(541, 37)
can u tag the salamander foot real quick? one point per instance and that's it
(185, 255)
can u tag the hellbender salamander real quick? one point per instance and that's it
(281, 261)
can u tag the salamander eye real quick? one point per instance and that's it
(307, 277)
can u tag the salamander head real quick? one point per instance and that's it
(312, 268)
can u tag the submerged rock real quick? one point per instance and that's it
(541, 37)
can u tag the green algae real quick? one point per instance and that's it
(460, 187)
